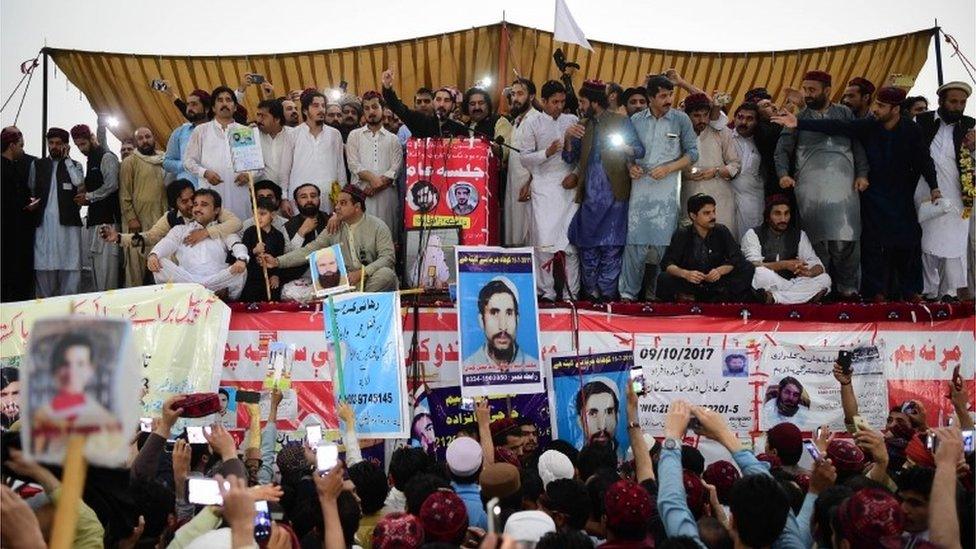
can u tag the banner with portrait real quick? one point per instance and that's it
(78, 381)
(693, 369)
(589, 399)
(328, 269)
(800, 386)
(498, 326)
(447, 185)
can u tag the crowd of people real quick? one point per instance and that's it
(622, 194)
(908, 484)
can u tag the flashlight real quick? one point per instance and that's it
(335, 95)
(484, 82)
(616, 139)
(112, 121)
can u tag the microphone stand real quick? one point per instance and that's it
(497, 140)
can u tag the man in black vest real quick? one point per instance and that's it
(101, 195)
(304, 227)
(17, 218)
(787, 268)
(54, 181)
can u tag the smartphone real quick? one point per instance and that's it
(313, 434)
(967, 441)
(248, 397)
(145, 424)
(857, 423)
(694, 425)
(204, 491)
(957, 377)
(344, 86)
(467, 404)
(844, 359)
(256, 78)
(932, 442)
(158, 85)
(819, 432)
(638, 384)
(494, 511)
(194, 434)
(812, 449)
(326, 457)
(170, 444)
(262, 522)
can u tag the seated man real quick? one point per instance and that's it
(787, 268)
(206, 262)
(367, 247)
(703, 262)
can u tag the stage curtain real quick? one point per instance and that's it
(118, 83)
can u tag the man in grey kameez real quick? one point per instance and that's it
(671, 144)
(828, 172)
(54, 181)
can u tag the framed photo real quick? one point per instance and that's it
(328, 269)
(430, 262)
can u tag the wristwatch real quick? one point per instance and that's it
(672, 444)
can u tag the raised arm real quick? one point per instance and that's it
(943, 516)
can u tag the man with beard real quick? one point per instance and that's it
(9, 396)
(197, 112)
(274, 135)
(604, 143)
(891, 262)
(316, 153)
(858, 96)
(142, 193)
(787, 268)
(828, 172)
(552, 205)
(476, 106)
(498, 317)
(208, 156)
(598, 408)
(423, 124)
(352, 114)
(671, 145)
(635, 100)
(204, 263)
(333, 116)
(718, 161)
(127, 147)
(102, 198)
(947, 132)
(703, 262)
(391, 122)
(17, 219)
(367, 246)
(290, 110)
(748, 187)
(375, 158)
(517, 208)
(785, 407)
(765, 135)
(302, 229)
(914, 105)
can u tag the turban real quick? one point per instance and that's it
(464, 456)
(350, 100)
(554, 465)
(372, 94)
(57, 133)
(499, 480)
(756, 95)
(398, 531)
(529, 526)
(81, 131)
(695, 492)
(818, 76)
(9, 136)
(504, 426)
(598, 86)
(863, 83)
(697, 101)
(722, 475)
(356, 193)
(845, 456)
(444, 517)
(776, 200)
(627, 505)
(891, 95)
(961, 86)
(870, 517)
(203, 96)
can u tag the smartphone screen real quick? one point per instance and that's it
(812, 449)
(204, 491)
(313, 434)
(467, 404)
(262, 521)
(326, 457)
(494, 511)
(145, 424)
(967, 441)
(194, 434)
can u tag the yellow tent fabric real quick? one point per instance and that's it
(119, 82)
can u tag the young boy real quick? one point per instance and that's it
(273, 243)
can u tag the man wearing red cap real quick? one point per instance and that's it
(374, 157)
(858, 96)
(367, 246)
(827, 173)
(891, 255)
(718, 162)
(102, 198)
(197, 111)
(17, 218)
(57, 242)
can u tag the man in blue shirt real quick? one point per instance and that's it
(197, 112)
(464, 460)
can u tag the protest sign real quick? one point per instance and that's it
(429, 262)
(328, 270)
(373, 377)
(280, 359)
(694, 369)
(498, 328)
(245, 149)
(79, 380)
(227, 415)
(589, 399)
(801, 389)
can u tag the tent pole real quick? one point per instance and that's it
(938, 52)
(44, 107)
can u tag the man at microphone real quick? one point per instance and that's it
(421, 124)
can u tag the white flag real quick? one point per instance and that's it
(566, 29)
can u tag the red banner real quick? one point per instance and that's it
(451, 182)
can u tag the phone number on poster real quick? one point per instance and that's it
(718, 408)
(677, 353)
(370, 398)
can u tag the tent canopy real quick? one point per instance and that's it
(118, 83)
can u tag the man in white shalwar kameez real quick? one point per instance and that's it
(748, 187)
(375, 158)
(553, 206)
(316, 153)
(518, 212)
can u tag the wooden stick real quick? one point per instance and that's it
(330, 303)
(72, 485)
(257, 227)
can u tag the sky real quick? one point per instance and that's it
(181, 27)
